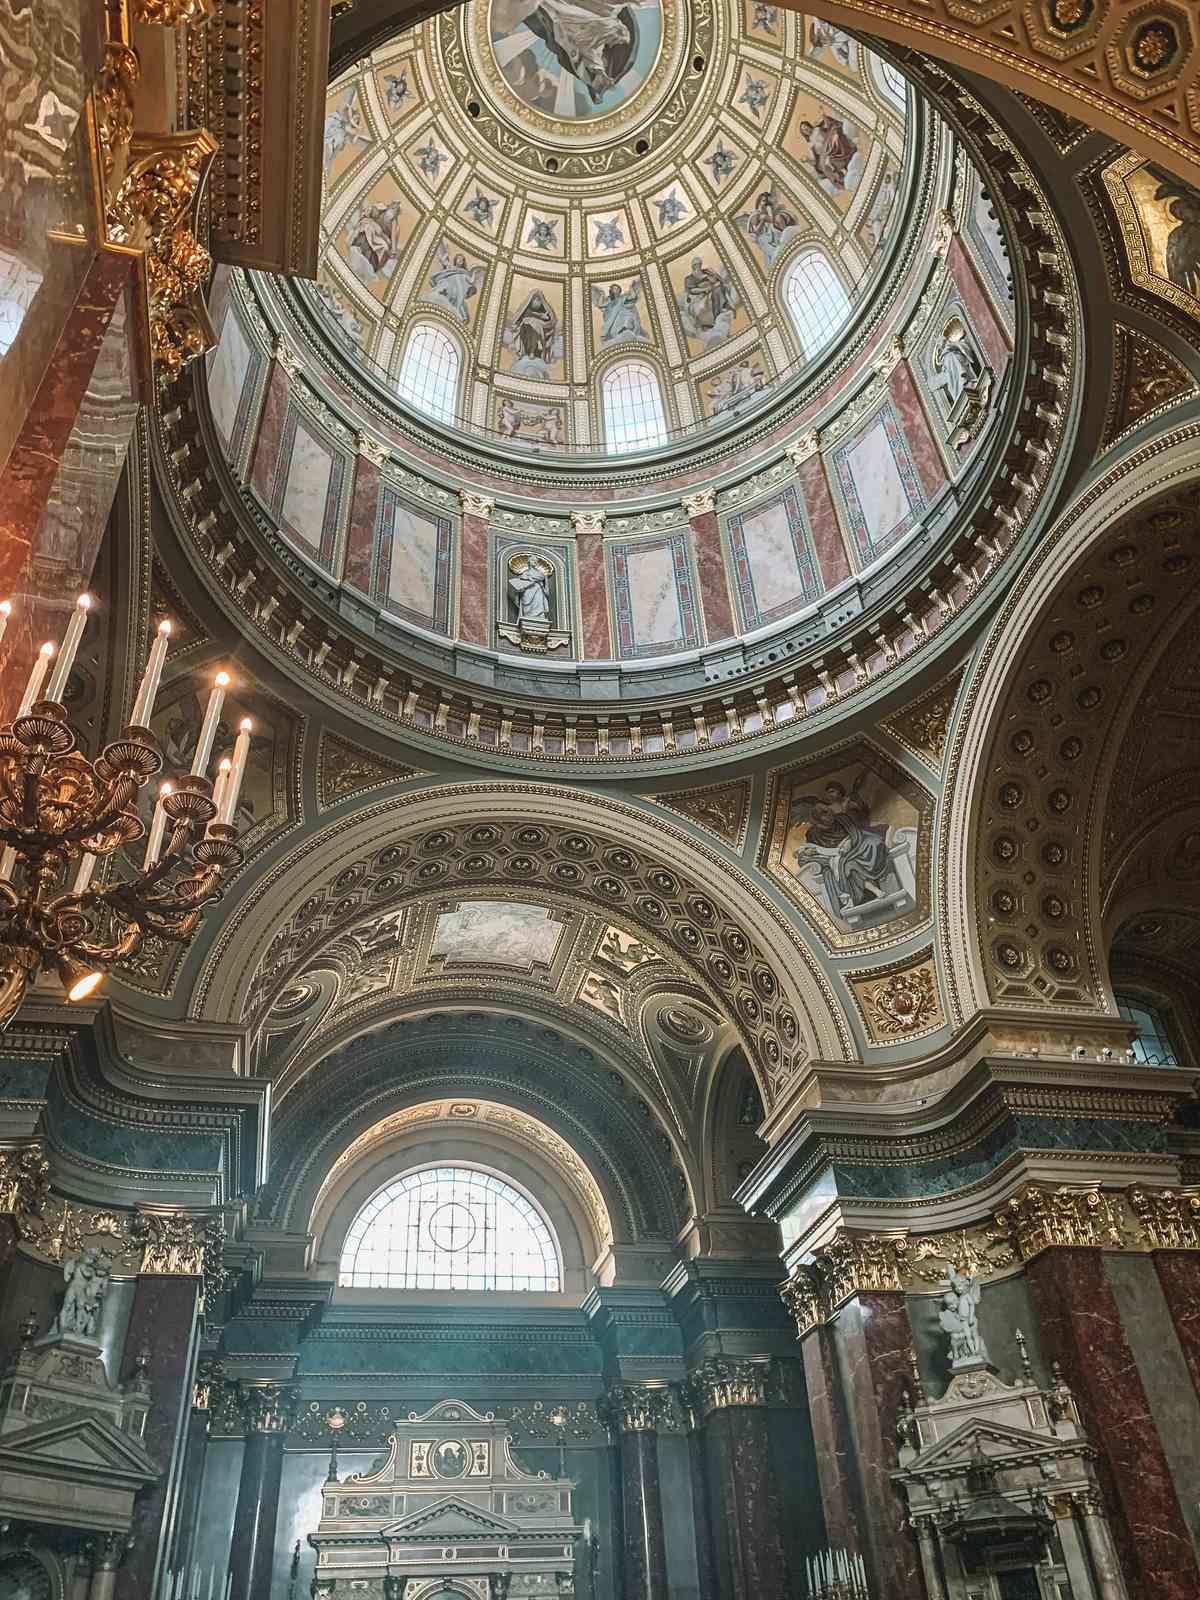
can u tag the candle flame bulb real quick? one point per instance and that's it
(143, 704)
(66, 656)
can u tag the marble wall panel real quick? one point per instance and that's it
(309, 481)
(235, 371)
(653, 597)
(270, 434)
(593, 596)
(1179, 1273)
(876, 482)
(991, 332)
(1081, 1327)
(360, 531)
(823, 521)
(774, 562)
(712, 577)
(474, 581)
(413, 553)
(834, 1452)
(985, 242)
(926, 453)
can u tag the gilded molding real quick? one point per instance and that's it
(853, 1263)
(171, 13)
(801, 1295)
(24, 1179)
(474, 504)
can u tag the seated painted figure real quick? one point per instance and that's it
(862, 871)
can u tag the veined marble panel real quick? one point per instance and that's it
(774, 565)
(308, 488)
(412, 562)
(233, 369)
(653, 596)
(879, 491)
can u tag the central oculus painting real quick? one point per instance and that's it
(576, 59)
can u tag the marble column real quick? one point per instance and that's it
(702, 1506)
(1106, 1565)
(592, 581)
(163, 1328)
(931, 1569)
(835, 1456)
(743, 1504)
(828, 543)
(267, 1411)
(1081, 1329)
(475, 568)
(871, 1340)
(106, 1563)
(1179, 1274)
(359, 568)
(635, 1411)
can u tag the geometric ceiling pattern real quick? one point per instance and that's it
(555, 189)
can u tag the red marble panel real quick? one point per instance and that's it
(992, 334)
(927, 457)
(835, 1459)
(645, 1545)
(823, 520)
(593, 596)
(360, 535)
(1179, 1273)
(163, 1321)
(874, 1338)
(270, 432)
(43, 437)
(714, 582)
(475, 579)
(1081, 1328)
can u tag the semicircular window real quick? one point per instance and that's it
(450, 1228)
(633, 409)
(816, 301)
(428, 375)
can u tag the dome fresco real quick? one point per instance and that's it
(584, 225)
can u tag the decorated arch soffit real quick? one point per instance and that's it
(1031, 796)
(558, 869)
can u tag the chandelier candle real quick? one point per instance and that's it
(147, 693)
(158, 826)
(33, 688)
(208, 728)
(233, 788)
(224, 767)
(70, 645)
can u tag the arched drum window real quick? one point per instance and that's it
(450, 1228)
(634, 418)
(816, 301)
(428, 376)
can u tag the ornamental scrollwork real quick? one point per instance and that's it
(267, 1407)
(24, 1179)
(1036, 1218)
(172, 13)
(556, 1420)
(801, 1295)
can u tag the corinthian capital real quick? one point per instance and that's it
(587, 521)
(701, 501)
(267, 1407)
(725, 1381)
(475, 505)
(636, 1407)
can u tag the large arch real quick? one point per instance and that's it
(1052, 693)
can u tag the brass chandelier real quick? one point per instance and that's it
(60, 814)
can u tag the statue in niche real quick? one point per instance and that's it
(961, 380)
(87, 1276)
(960, 1320)
(529, 581)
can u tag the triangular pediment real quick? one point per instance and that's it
(448, 1517)
(996, 1440)
(90, 1447)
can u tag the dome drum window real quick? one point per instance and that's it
(450, 1228)
(816, 301)
(429, 372)
(634, 418)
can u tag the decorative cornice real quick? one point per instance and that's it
(372, 449)
(804, 449)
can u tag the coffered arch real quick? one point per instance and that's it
(491, 841)
(1054, 689)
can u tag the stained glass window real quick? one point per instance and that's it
(816, 300)
(633, 410)
(1153, 1043)
(428, 376)
(450, 1228)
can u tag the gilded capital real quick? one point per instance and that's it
(1036, 1218)
(725, 1381)
(24, 1179)
(701, 501)
(636, 1407)
(1169, 1219)
(172, 13)
(800, 1294)
(853, 1262)
(267, 1407)
(475, 505)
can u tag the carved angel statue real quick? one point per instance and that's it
(87, 1276)
(959, 1319)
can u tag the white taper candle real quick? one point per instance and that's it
(224, 767)
(208, 728)
(147, 693)
(233, 787)
(87, 865)
(8, 863)
(158, 826)
(66, 655)
(33, 689)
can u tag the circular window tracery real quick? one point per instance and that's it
(450, 1227)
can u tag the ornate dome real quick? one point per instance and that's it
(604, 227)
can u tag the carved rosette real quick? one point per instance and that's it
(267, 1407)
(725, 1381)
(636, 1407)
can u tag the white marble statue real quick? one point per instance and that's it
(529, 584)
(956, 366)
(87, 1276)
(959, 1319)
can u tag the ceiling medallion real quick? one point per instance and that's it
(573, 93)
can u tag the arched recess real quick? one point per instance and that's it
(1087, 67)
(360, 1096)
(519, 1148)
(1053, 691)
(740, 946)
